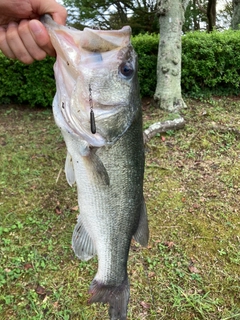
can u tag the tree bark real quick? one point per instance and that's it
(236, 15)
(171, 18)
(211, 14)
(160, 127)
(195, 20)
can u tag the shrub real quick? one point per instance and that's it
(33, 84)
(146, 46)
(210, 65)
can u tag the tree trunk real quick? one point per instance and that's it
(159, 127)
(195, 19)
(211, 14)
(236, 15)
(168, 91)
(121, 12)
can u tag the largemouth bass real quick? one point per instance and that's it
(98, 109)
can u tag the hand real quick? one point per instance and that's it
(22, 35)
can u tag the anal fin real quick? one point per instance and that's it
(142, 233)
(82, 243)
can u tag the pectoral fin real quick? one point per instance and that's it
(97, 169)
(82, 243)
(69, 170)
(142, 233)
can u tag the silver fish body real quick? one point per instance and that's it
(96, 71)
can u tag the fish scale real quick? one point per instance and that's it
(107, 165)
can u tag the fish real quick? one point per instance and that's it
(97, 107)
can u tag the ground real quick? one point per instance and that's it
(190, 270)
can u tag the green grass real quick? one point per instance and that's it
(190, 269)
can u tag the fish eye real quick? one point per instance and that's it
(126, 70)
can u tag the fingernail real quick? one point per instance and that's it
(35, 26)
(12, 24)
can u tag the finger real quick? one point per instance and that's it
(4, 47)
(34, 50)
(16, 45)
(41, 37)
(60, 16)
(57, 11)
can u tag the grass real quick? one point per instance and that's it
(190, 269)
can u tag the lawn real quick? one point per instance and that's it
(191, 268)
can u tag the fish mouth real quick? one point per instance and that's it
(110, 125)
(97, 61)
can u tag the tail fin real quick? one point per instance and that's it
(116, 296)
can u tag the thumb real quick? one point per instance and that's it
(41, 37)
(60, 16)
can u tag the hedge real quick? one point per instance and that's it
(146, 47)
(27, 84)
(210, 65)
